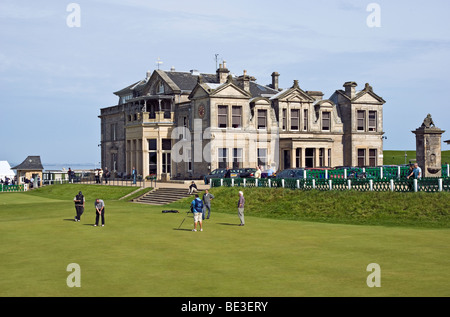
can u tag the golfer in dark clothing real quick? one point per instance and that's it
(99, 211)
(79, 205)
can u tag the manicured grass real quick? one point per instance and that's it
(90, 192)
(140, 252)
(369, 208)
(398, 157)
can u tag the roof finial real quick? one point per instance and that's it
(158, 62)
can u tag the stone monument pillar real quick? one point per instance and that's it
(428, 148)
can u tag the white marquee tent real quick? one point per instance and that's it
(6, 171)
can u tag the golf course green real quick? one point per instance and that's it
(144, 252)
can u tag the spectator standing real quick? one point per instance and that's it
(106, 175)
(258, 172)
(207, 197)
(97, 179)
(227, 173)
(416, 172)
(133, 173)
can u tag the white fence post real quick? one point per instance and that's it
(381, 172)
(298, 183)
(330, 184)
(314, 182)
(345, 173)
(448, 170)
(232, 182)
(391, 184)
(326, 174)
(440, 184)
(304, 174)
(349, 182)
(256, 182)
(371, 184)
(244, 181)
(221, 182)
(415, 185)
(282, 182)
(270, 185)
(398, 172)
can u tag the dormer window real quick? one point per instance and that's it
(262, 119)
(326, 121)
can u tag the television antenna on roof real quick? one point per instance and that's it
(216, 58)
(158, 62)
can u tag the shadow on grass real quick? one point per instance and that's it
(227, 224)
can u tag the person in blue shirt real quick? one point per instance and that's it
(133, 173)
(270, 172)
(416, 172)
(197, 209)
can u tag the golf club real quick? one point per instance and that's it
(187, 214)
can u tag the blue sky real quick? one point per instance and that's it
(54, 79)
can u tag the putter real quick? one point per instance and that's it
(187, 213)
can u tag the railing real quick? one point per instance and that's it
(385, 172)
(110, 181)
(357, 184)
(12, 188)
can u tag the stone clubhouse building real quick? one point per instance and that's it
(182, 125)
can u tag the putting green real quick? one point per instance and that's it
(140, 252)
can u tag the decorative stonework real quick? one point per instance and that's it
(428, 148)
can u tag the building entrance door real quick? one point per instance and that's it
(286, 159)
(309, 157)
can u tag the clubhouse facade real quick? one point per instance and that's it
(182, 125)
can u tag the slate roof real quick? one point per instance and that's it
(186, 81)
(31, 163)
(257, 90)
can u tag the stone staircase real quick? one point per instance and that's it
(162, 196)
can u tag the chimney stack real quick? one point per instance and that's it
(350, 89)
(244, 81)
(222, 73)
(275, 76)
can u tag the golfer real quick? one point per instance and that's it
(79, 205)
(197, 209)
(99, 211)
(241, 204)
